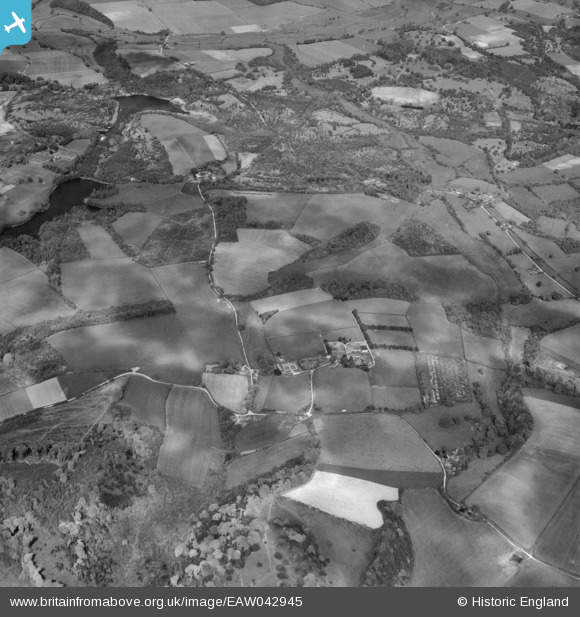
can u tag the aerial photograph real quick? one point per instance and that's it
(290, 293)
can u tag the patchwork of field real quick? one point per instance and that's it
(564, 345)
(299, 332)
(433, 332)
(558, 228)
(550, 193)
(146, 400)
(241, 268)
(63, 67)
(25, 295)
(394, 369)
(26, 399)
(263, 207)
(473, 555)
(352, 499)
(136, 227)
(486, 351)
(341, 389)
(229, 391)
(251, 466)
(187, 146)
(285, 393)
(314, 54)
(99, 243)
(159, 345)
(209, 323)
(192, 436)
(490, 34)
(267, 431)
(108, 282)
(14, 403)
(293, 299)
(130, 14)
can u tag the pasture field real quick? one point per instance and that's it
(405, 96)
(274, 238)
(76, 383)
(136, 227)
(535, 574)
(293, 299)
(229, 391)
(99, 243)
(298, 346)
(450, 152)
(184, 143)
(554, 315)
(445, 278)
(511, 214)
(559, 544)
(392, 337)
(474, 555)
(288, 393)
(382, 319)
(46, 393)
(556, 421)
(530, 176)
(159, 345)
(564, 345)
(548, 10)
(25, 199)
(481, 350)
(263, 207)
(63, 67)
(378, 306)
(108, 282)
(129, 15)
(462, 485)
(395, 397)
(241, 268)
(525, 201)
(146, 399)
(373, 442)
(247, 468)
(564, 163)
(433, 332)
(159, 199)
(394, 368)
(14, 403)
(523, 495)
(348, 546)
(558, 228)
(209, 323)
(314, 54)
(12, 265)
(27, 300)
(352, 499)
(478, 221)
(192, 436)
(264, 432)
(518, 337)
(547, 249)
(550, 193)
(337, 389)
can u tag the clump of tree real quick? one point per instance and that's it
(480, 318)
(354, 237)
(568, 245)
(283, 282)
(420, 240)
(82, 8)
(359, 71)
(357, 290)
(230, 213)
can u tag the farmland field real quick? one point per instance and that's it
(408, 96)
(284, 207)
(136, 227)
(486, 351)
(146, 399)
(474, 555)
(378, 306)
(287, 393)
(129, 14)
(108, 282)
(192, 436)
(348, 498)
(229, 391)
(564, 345)
(46, 393)
(27, 299)
(12, 265)
(395, 397)
(524, 494)
(314, 54)
(264, 432)
(251, 466)
(392, 337)
(433, 332)
(99, 243)
(159, 345)
(393, 368)
(560, 192)
(340, 388)
(14, 403)
(390, 444)
(63, 67)
(554, 315)
(381, 319)
(209, 323)
(293, 299)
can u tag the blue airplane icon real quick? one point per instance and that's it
(17, 22)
